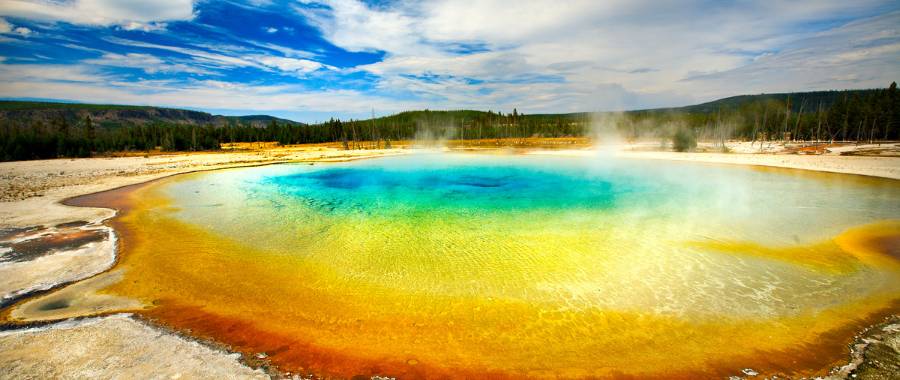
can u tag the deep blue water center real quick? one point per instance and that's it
(471, 185)
(594, 193)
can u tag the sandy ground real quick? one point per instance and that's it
(119, 346)
(115, 346)
(885, 167)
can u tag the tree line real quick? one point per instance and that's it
(869, 115)
(62, 137)
(863, 116)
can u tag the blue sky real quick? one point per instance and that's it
(312, 60)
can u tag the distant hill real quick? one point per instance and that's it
(111, 115)
(38, 129)
(808, 100)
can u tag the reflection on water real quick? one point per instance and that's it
(425, 266)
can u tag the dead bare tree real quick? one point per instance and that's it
(799, 117)
(872, 130)
(765, 126)
(818, 124)
(755, 128)
(859, 128)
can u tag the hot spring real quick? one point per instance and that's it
(477, 266)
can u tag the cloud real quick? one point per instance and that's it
(7, 28)
(144, 26)
(286, 51)
(194, 94)
(229, 57)
(43, 74)
(127, 13)
(289, 64)
(638, 51)
(148, 63)
(201, 57)
(860, 54)
(355, 26)
(534, 55)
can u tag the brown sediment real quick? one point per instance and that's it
(7, 234)
(53, 242)
(77, 223)
(828, 352)
(38, 260)
(881, 242)
(890, 245)
(115, 199)
(292, 354)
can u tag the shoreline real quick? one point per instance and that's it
(877, 167)
(104, 215)
(117, 332)
(18, 215)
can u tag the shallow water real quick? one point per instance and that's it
(469, 265)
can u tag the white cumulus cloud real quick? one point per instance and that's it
(591, 52)
(132, 14)
(7, 28)
(288, 64)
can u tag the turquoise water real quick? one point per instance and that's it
(775, 206)
(434, 184)
(519, 265)
(589, 231)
